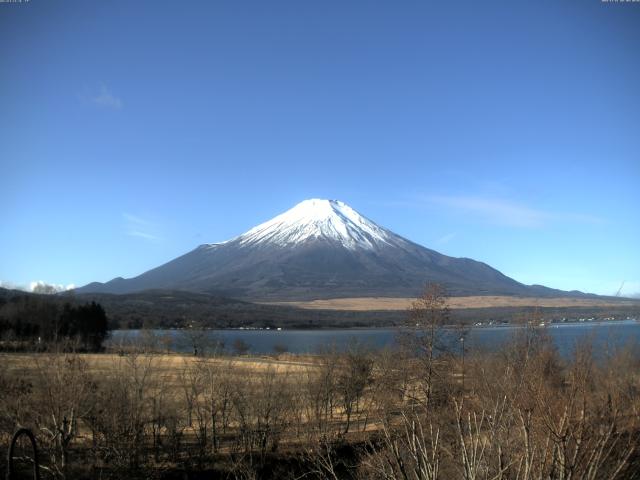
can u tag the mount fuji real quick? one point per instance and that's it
(319, 249)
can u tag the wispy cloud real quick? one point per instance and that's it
(134, 219)
(148, 236)
(102, 97)
(446, 238)
(504, 212)
(498, 211)
(139, 227)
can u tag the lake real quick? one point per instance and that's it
(605, 336)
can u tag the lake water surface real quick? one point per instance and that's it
(605, 336)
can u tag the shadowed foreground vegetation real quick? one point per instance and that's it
(521, 413)
(426, 410)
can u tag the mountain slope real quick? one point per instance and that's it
(319, 249)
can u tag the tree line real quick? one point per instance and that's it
(33, 321)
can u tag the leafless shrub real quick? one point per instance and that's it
(409, 450)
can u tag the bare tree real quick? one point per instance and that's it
(410, 450)
(424, 338)
(219, 379)
(64, 392)
(354, 375)
(319, 384)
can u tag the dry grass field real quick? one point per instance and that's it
(382, 303)
(350, 415)
(169, 366)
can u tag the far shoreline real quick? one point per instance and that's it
(451, 326)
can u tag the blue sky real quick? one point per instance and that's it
(508, 132)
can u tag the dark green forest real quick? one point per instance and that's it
(30, 321)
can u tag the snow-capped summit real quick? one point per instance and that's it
(318, 219)
(318, 249)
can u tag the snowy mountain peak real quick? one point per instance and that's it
(318, 219)
(318, 249)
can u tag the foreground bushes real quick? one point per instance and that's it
(524, 413)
